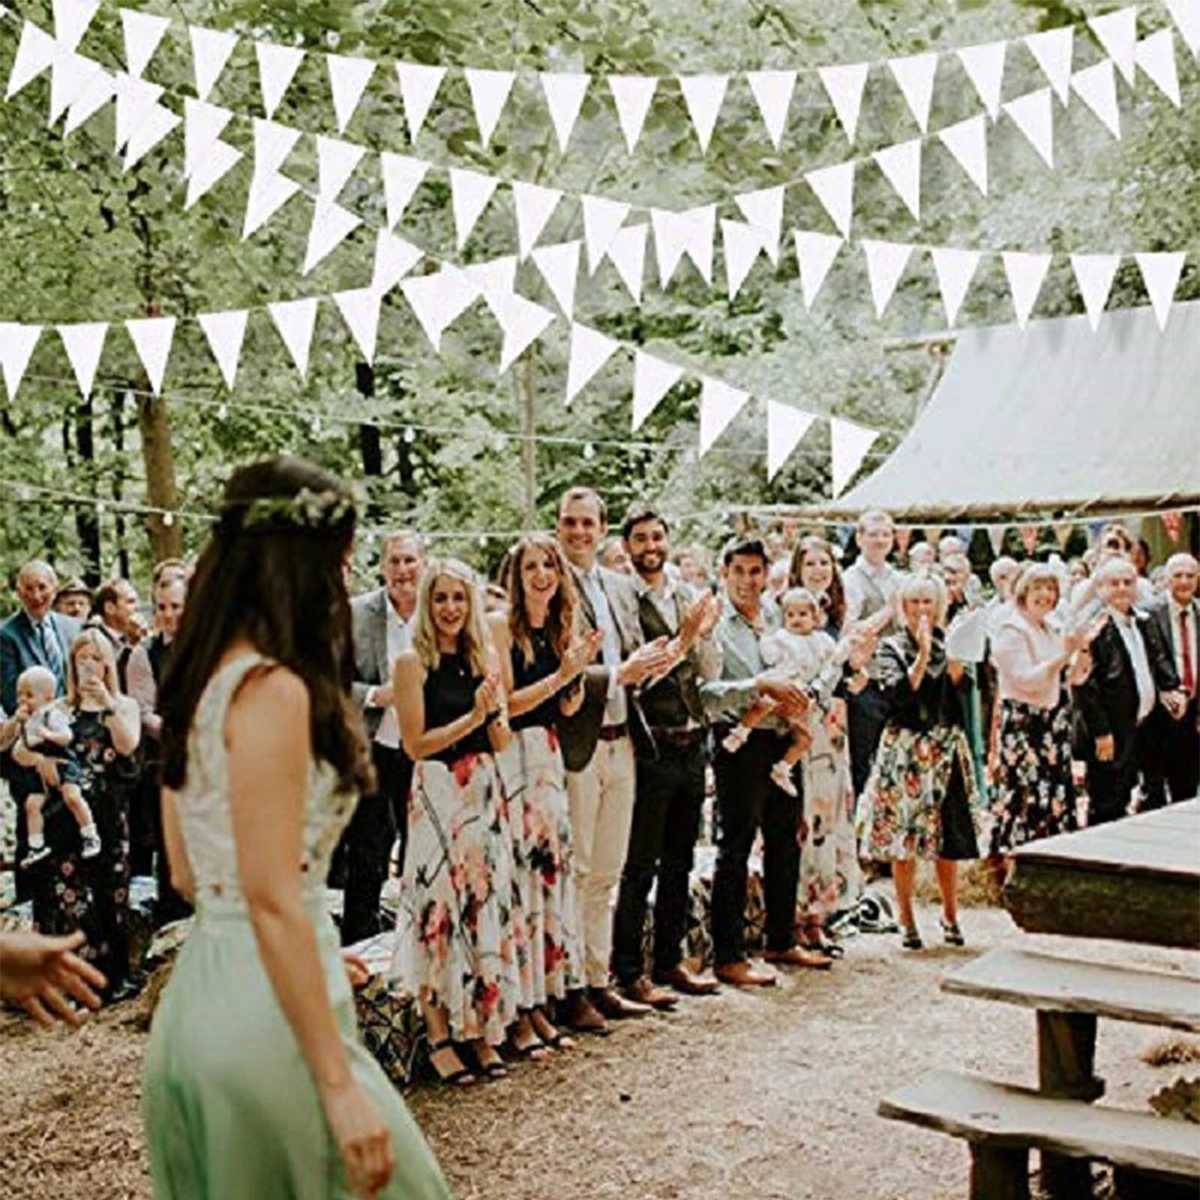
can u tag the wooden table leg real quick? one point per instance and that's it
(999, 1172)
(1066, 1061)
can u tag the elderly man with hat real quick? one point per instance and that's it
(74, 599)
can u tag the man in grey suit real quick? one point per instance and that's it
(382, 622)
(598, 748)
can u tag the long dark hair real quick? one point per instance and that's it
(835, 596)
(272, 574)
(560, 619)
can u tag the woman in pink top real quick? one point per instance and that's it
(1033, 793)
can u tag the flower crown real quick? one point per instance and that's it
(305, 509)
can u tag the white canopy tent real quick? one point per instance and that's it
(1053, 418)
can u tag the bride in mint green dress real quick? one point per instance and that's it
(256, 1086)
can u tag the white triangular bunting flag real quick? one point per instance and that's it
(901, 164)
(225, 331)
(602, 218)
(703, 95)
(269, 192)
(35, 53)
(996, 537)
(632, 95)
(16, 347)
(1054, 50)
(84, 345)
(564, 92)
(99, 89)
(211, 49)
(719, 404)
(360, 311)
(1025, 272)
(331, 226)
(914, 76)
(437, 300)
(885, 264)
(295, 320)
(70, 74)
(849, 444)
(773, 95)
(984, 66)
(394, 258)
(203, 124)
(1186, 15)
(763, 211)
(1097, 88)
(627, 252)
(496, 278)
(1117, 32)
(489, 93)
(742, 245)
(1156, 57)
(336, 161)
(272, 145)
(699, 227)
(348, 79)
(469, 195)
(652, 380)
(559, 266)
(1033, 115)
(535, 206)
(844, 86)
(277, 67)
(967, 141)
(135, 98)
(590, 350)
(955, 270)
(151, 339)
(142, 31)
(219, 159)
(1094, 273)
(815, 253)
(71, 19)
(418, 88)
(401, 178)
(154, 125)
(834, 187)
(1160, 273)
(785, 427)
(523, 322)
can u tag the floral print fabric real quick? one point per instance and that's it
(830, 880)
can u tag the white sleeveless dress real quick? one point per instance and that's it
(230, 1106)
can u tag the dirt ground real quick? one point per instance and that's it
(768, 1094)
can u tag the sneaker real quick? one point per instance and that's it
(91, 845)
(781, 776)
(735, 739)
(34, 857)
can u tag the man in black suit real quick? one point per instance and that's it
(1174, 620)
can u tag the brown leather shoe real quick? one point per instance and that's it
(614, 1006)
(742, 974)
(642, 991)
(799, 956)
(686, 982)
(581, 1015)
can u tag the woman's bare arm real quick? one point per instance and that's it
(182, 879)
(408, 683)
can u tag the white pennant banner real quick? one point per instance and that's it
(984, 66)
(142, 32)
(849, 444)
(269, 192)
(901, 164)
(331, 226)
(678, 233)
(211, 49)
(219, 159)
(523, 322)
(84, 345)
(70, 75)
(632, 95)
(97, 90)
(336, 161)
(1094, 273)
(71, 20)
(834, 187)
(1097, 87)
(489, 93)
(272, 145)
(602, 218)
(628, 254)
(535, 206)
(559, 267)
(135, 97)
(16, 348)
(35, 54)
(967, 141)
(1160, 274)
(773, 95)
(401, 178)
(418, 89)
(955, 269)
(742, 243)
(1156, 58)
(277, 67)
(470, 193)
(151, 339)
(1025, 272)
(590, 350)
(295, 320)
(815, 253)
(763, 211)
(1033, 115)
(360, 311)
(439, 299)
(394, 258)
(564, 92)
(1117, 33)
(496, 278)
(225, 332)
(203, 125)
(652, 380)
(153, 126)
(719, 404)
(1186, 15)
(844, 85)
(785, 427)
(348, 79)
(703, 95)
(1054, 51)
(885, 264)
(914, 75)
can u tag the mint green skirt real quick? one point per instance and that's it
(230, 1107)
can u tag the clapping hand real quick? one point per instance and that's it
(487, 698)
(579, 654)
(644, 662)
(924, 635)
(700, 620)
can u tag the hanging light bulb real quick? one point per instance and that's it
(589, 451)
(315, 425)
(168, 519)
(100, 508)
(223, 411)
(501, 443)
(483, 541)
(410, 434)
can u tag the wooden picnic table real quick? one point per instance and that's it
(1134, 880)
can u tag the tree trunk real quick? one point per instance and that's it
(87, 518)
(158, 460)
(525, 386)
(118, 487)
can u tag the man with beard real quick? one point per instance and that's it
(670, 771)
(382, 622)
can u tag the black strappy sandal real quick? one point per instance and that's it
(952, 934)
(463, 1077)
(912, 939)
(489, 1070)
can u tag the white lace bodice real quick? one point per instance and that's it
(204, 800)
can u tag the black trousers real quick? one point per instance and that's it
(867, 714)
(1172, 757)
(662, 841)
(1110, 784)
(367, 843)
(748, 800)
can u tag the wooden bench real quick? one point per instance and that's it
(1003, 1123)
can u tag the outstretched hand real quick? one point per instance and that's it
(39, 973)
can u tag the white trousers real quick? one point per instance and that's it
(601, 801)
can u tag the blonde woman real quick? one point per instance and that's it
(921, 800)
(459, 951)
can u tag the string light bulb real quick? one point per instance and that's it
(168, 519)
(223, 411)
(410, 435)
(315, 425)
(589, 451)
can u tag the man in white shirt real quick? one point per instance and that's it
(382, 623)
